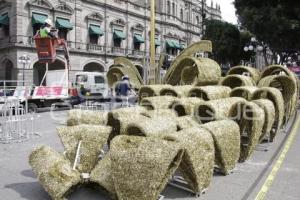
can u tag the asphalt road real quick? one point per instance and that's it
(17, 181)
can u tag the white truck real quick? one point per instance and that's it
(54, 92)
(94, 83)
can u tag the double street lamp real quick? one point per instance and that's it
(25, 59)
(254, 46)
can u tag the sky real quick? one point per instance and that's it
(227, 9)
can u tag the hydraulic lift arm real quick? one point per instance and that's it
(46, 49)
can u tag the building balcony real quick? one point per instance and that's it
(138, 53)
(118, 51)
(28, 42)
(18, 40)
(95, 48)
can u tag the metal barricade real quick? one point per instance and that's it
(89, 105)
(16, 125)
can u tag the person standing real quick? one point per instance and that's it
(124, 89)
(82, 93)
(124, 86)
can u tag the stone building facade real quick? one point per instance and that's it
(96, 31)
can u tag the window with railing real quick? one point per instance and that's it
(64, 26)
(169, 51)
(137, 46)
(4, 25)
(36, 28)
(5, 30)
(117, 42)
(94, 39)
(172, 51)
(63, 34)
(37, 21)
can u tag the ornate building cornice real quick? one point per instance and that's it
(44, 4)
(95, 16)
(63, 7)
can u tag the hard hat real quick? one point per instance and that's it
(48, 21)
(125, 77)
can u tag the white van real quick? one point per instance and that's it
(94, 82)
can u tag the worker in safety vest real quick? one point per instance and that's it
(45, 30)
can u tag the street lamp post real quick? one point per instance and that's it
(255, 47)
(203, 15)
(25, 59)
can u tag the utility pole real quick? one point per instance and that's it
(153, 69)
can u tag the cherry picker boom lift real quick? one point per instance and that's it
(60, 92)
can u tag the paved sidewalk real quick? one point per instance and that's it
(17, 182)
(287, 182)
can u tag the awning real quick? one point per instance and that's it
(182, 46)
(176, 45)
(119, 35)
(38, 18)
(170, 44)
(63, 24)
(95, 30)
(138, 38)
(157, 42)
(4, 20)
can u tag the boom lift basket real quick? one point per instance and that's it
(46, 49)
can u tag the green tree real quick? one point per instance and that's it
(276, 22)
(226, 41)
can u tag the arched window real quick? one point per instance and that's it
(7, 71)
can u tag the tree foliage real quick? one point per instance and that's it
(276, 22)
(226, 41)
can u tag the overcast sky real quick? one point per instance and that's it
(227, 8)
